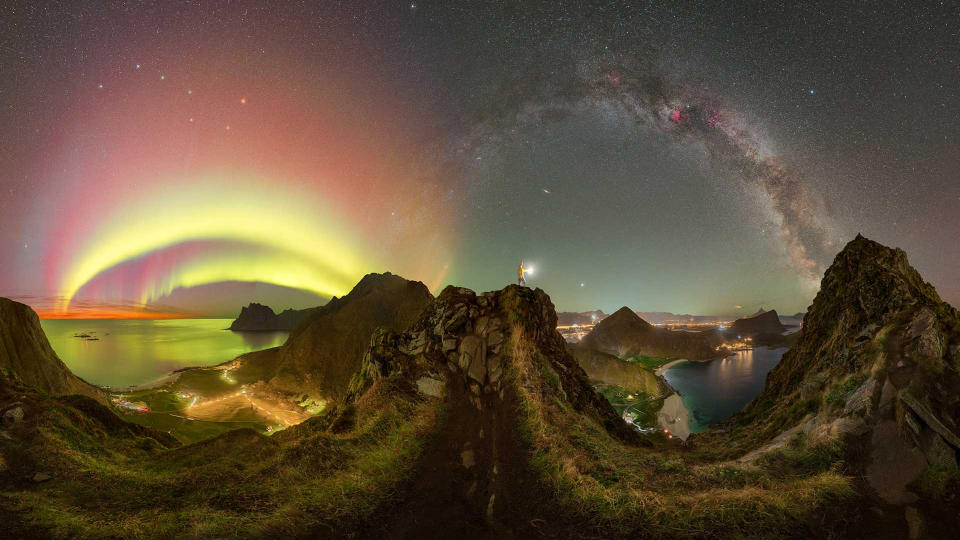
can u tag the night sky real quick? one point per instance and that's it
(171, 158)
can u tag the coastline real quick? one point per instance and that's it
(660, 370)
(673, 417)
(162, 381)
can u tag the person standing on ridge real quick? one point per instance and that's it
(520, 272)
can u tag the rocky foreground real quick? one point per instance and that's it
(472, 420)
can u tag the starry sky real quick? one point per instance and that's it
(169, 159)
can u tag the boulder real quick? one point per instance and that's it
(13, 414)
(862, 399)
(929, 418)
(431, 387)
(469, 352)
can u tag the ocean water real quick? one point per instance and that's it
(715, 390)
(134, 352)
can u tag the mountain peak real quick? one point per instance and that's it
(879, 354)
(625, 312)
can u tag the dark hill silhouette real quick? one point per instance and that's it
(260, 318)
(625, 334)
(763, 322)
(26, 355)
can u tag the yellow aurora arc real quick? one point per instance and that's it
(302, 243)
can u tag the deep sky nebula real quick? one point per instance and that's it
(166, 160)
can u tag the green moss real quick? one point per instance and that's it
(649, 362)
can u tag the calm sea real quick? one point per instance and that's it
(134, 352)
(715, 390)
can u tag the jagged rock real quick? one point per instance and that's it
(929, 418)
(430, 387)
(862, 399)
(13, 414)
(469, 352)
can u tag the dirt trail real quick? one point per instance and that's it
(473, 480)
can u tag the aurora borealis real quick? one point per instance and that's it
(677, 158)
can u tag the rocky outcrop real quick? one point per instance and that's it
(472, 341)
(626, 334)
(877, 364)
(326, 349)
(480, 354)
(26, 355)
(260, 318)
(764, 322)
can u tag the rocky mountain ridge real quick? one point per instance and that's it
(326, 348)
(877, 368)
(260, 318)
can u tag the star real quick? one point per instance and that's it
(162, 77)
(189, 91)
(811, 91)
(191, 120)
(138, 66)
(547, 191)
(243, 100)
(228, 128)
(101, 85)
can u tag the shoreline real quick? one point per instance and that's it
(660, 370)
(674, 417)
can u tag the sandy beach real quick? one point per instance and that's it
(675, 417)
(660, 370)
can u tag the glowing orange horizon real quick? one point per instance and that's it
(110, 314)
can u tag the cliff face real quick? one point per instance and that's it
(609, 369)
(626, 334)
(26, 355)
(260, 318)
(325, 349)
(766, 322)
(877, 365)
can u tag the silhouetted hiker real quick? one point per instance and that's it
(520, 271)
